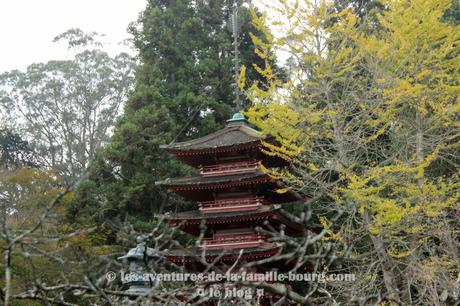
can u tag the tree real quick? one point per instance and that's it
(360, 7)
(66, 108)
(184, 89)
(452, 15)
(369, 118)
(41, 251)
(14, 151)
(417, 70)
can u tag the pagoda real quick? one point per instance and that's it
(234, 197)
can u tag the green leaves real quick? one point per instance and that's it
(183, 90)
(66, 108)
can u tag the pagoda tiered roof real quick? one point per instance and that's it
(236, 198)
(234, 136)
(183, 185)
(194, 254)
(190, 221)
(203, 182)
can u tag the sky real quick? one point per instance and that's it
(27, 27)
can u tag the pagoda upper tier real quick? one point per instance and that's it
(228, 160)
(237, 141)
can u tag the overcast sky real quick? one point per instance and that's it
(27, 27)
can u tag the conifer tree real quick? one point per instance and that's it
(184, 89)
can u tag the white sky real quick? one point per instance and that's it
(27, 27)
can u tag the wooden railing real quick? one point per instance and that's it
(233, 241)
(234, 204)
(229, 168)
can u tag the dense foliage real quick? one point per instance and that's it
(369, 120)
(184, 89)
(14, 151)
(367, 117)
(66, 108)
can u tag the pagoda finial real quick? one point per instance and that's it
(236, 53)
(237, 119)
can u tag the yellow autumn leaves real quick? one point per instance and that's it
(395, 88)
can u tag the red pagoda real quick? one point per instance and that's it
(233, 195)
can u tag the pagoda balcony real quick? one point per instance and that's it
(233, 241)
(232, 205)
(229, 168)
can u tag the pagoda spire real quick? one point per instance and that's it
(236, 56)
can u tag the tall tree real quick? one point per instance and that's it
(184, 89)
(370, 119)
(67, 108)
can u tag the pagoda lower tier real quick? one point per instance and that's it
(226, 234)
(196, 254)
(191, 221)
(204, 188)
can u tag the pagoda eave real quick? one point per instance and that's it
(205, 181)
(230, 184)
(230, 135)
(204, 151)
(185, 187)
(195, 254)
(191, 221)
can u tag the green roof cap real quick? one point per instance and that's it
(237, 117)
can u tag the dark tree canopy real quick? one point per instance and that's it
(184, 89)
(360, 7)
(14, 151)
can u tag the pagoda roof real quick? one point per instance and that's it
(189, 221)
(232, 136)
(187, 186)
(197, 215)
(264, 250)
(202, 182)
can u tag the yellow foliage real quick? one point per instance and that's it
(325, 223)
(434, 265)
(394, 194)
(282, 190)
(274, 174)
(413, 64)
(419, 55)
(241, 82)
(399, 254)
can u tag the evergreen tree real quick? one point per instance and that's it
(452, 15)
(14, 151)
(360, 7)
(184, 89)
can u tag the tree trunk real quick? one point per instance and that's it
(7, 276)
(386, 264)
